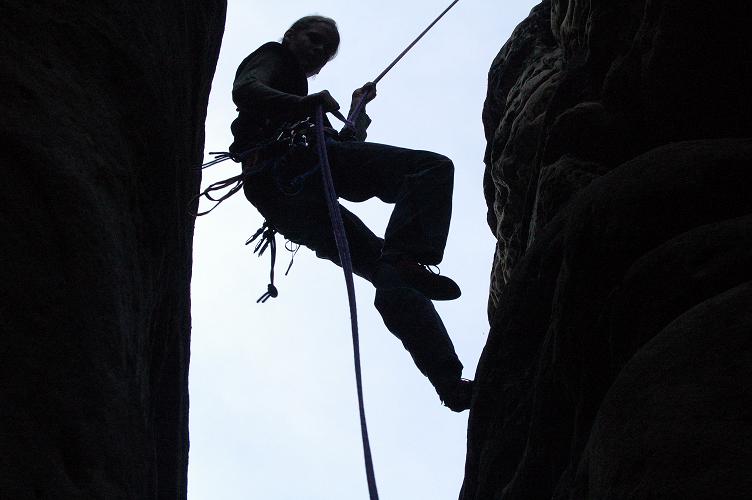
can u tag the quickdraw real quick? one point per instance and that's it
(296, 134)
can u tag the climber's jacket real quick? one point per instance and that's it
(268, 90)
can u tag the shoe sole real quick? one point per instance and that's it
(389, 278)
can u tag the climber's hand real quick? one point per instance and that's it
(367, 92)
(323, 98)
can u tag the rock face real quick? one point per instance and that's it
(102, 123)
(619, 167)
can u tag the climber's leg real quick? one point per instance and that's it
(413, 319)
(419, 183)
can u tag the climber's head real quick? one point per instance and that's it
(314, 40)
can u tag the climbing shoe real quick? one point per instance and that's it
(457, 396)
(404, 272)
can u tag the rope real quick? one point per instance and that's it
(234, 184)
(340, 238)
(383, 73)
(219, 157)
(352, 117)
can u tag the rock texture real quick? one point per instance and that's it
(619, 167)
(102, 123)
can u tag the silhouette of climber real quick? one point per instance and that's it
(284, 184)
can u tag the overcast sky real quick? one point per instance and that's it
(273, 404)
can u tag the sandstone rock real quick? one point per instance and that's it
(521, 81)
(617, 174)
(102, 126)
(676, 422)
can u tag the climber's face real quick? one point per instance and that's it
(313, 45)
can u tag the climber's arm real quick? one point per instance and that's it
(253, 89)
(362, 121)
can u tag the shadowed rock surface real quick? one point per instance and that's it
(619, 164)
(102, 123)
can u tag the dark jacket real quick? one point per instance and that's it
(268, 90)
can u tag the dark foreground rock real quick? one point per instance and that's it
(102, 123)
(619, 164)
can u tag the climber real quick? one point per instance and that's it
(271, 93)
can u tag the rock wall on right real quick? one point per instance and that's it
(619, 186)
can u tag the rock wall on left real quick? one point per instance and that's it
(102, 128)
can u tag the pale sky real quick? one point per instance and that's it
(273, 406)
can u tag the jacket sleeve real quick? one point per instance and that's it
(358, 133)
(253, 89)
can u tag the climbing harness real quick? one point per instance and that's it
(295, 137)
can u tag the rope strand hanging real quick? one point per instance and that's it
(343, 248)
(340, 238)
